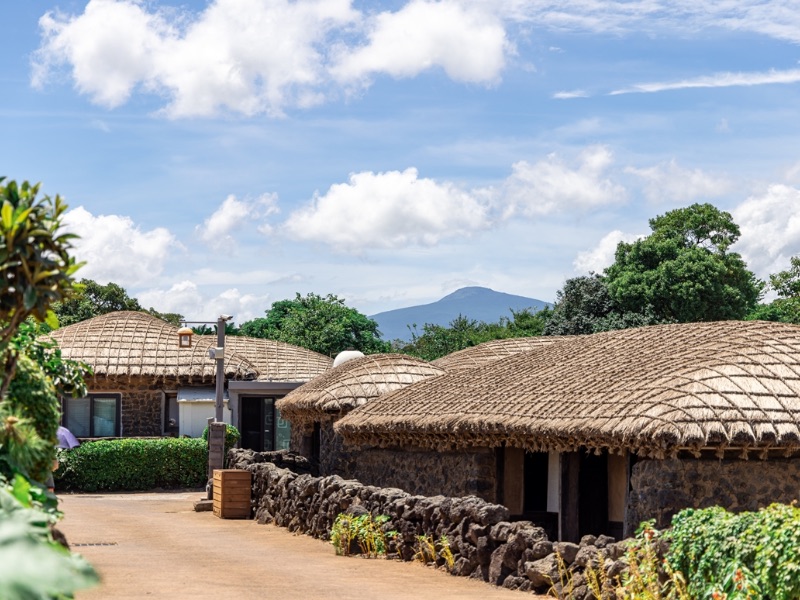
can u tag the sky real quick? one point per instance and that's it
(220, 155)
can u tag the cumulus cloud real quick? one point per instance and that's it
(233, 214)
(602, 255)
(185, 298)
(115, 249)
(770, 228)
(259, 56)
(388, 210)
(468, 44)
(669, 182)
(554, 185)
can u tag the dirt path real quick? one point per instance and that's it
(153, 545)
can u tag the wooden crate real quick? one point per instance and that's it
(232, 493)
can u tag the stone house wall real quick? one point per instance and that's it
(485, 545)
(661, 488)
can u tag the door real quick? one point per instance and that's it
(262, 429)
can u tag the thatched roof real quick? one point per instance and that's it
(654, 390)
(475, 356)
(278, 361)
(353, 384)
(128, 344)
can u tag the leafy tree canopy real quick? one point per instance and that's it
(786, 308)
(320, 323)
(436, 341)
(92, 299)
(682, 271)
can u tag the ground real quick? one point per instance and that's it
(153, 545)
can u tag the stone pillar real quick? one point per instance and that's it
(216, 452)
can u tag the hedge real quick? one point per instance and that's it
(133, 464)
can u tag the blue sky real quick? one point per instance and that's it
(220, 155)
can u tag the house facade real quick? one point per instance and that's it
(144, 384)
(594, 434)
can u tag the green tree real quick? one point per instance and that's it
(785, 308)
(91, 299)
(683, 271)
(323, 324)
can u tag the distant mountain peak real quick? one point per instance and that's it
(473, 302)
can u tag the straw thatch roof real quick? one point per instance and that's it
(129, 344)
(654, 390)
(353, 384)
(278, 361)
(475, 356)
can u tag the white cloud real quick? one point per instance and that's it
(669, 182)
(770, 228)
(117, 250)
(569, 95)
(185, 298)
(468, 44)
(601, 256)
(388, 210)
(717, 80)
(234, 214)
(552, 185)
(259, 56)
(792, 174)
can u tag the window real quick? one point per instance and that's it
(96, 415)
(262, 426)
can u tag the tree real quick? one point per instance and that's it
(323, 324)
(786, 308)
(683, 272)
(92, 299)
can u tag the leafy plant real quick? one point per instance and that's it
(430, 551)
(365, 529)
(133, 464)
(232, 436)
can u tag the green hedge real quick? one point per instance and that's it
(745, 555)
(133, 464)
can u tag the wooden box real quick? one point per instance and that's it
(232, 493)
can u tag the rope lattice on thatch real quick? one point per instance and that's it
(278, 361)
(654, 390)
(352, 384)
(475, 356)
(128, 344)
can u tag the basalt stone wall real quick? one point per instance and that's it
(485, 545)
(661, 488)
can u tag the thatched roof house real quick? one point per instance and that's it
(476, 356)
(653, 390)
(313, 407)
(670, 393)
(145, 384)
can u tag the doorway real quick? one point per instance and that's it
(262, 428)
(593, 495)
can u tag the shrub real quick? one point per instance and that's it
(133, 464)
(364, 529)
(745, 555)
(232, 436)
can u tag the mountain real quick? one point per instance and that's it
(478, 303)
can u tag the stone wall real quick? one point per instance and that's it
(661, 488)
(484, 543)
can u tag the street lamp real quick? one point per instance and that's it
(217, 353)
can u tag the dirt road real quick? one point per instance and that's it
(153, 545)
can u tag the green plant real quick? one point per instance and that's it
(730, 554)
(364, 529)
(232, 436)
(430, 551)
(133, 464)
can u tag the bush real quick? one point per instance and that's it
(232, 436)
(746, 555)
(133, 464)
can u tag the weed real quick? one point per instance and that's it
(365, 529)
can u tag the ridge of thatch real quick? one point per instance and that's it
(278, 361)
(475, 356)
(653, 390)
(353, 384)
(128, 344)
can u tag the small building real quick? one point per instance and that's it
(597, 433)
(314, 407)
(144, 384)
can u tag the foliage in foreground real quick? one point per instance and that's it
(133, 464)
(364, 530)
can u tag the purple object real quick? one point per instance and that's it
(66, 440)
